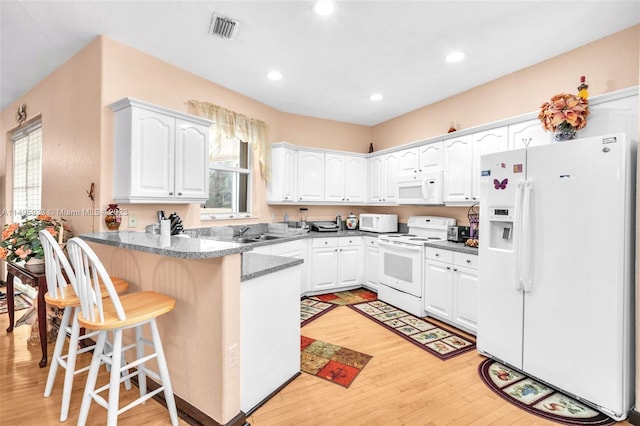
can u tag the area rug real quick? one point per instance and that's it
(421, 332)
(331, 362)
(537, 398)
(348, 297)
(20, 302)
(311, 309)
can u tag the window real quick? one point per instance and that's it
(229, 180)
(27, 171)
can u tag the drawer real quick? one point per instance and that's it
(349, 241)
(438, 254)
(370, 242)
(324, 242)
(463, 259)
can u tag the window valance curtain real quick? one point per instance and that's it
(230, 124)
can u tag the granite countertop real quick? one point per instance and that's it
(177, 246)
(255, 265)
(459, 247)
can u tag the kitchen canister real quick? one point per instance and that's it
(352, 221)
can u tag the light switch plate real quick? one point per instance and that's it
(133, 221)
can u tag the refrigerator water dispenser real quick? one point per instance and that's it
(501, 228)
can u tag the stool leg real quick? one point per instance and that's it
(164, 374)
(91, 379)
(71, 365)
(114, 379)
(57, 351)
(142, 368)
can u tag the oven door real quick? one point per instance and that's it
(401, 267)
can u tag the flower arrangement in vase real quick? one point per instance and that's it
(20, 241)
(564, 114)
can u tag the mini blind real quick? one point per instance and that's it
(27, 171)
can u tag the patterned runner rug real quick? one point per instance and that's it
(536, 398)
(421, 332)
(311, 309)
(331, 362)
(20, 302)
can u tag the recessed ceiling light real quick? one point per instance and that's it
(274, 75)
(323, 7)
(455, 57)
(376, 97)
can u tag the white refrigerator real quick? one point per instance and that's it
(557, 254)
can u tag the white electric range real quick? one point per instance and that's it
(401, 270)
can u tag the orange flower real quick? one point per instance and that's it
(45, 217)
(52, 231)
(564, 108)
(22, 253)
(6, 233)
(3, 253)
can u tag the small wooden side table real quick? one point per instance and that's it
(38, 281)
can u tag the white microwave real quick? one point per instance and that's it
(379, 222)
(424, 188)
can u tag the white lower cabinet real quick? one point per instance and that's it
(451, 287)
(335, 262)
(371, 260)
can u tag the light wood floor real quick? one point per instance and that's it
(401, 385)
(22, 385)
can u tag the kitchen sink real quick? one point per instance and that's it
(256, 238)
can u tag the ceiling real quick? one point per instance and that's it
(330, 64)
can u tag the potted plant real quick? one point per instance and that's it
(20, 243)
(565, 114)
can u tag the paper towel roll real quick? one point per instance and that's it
(165, 228)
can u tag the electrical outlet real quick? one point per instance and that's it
(133, 221)
(233, 356)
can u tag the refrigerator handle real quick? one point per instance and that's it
(527, 235)
(517, 236)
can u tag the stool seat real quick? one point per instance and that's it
(138, 307)
(70, 298)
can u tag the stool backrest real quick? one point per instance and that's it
(56, 266)
(90, 273)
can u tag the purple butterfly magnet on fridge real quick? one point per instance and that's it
(500, 185)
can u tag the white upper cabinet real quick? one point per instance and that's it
(376, 178)
(408, 162)
(528, 132)
(615, 116)
(383, 176)
(391, 170)
(160, 155)
(487, 142)
(344, 178)
(310, 176)
(457, 170)
(284, 171)
(431, 157)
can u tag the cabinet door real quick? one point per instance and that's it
(350, 265)
(528, 132)
(465, 288)
(324, 267)
(376, 176)
(408, 162)
(431, 157)
(334, 177)
(390, 182)
(619, 115)
(282, 187)
(371, 260)
(310, 176)
(457, 170)
(355, 187)
(152, 154)
(191, 164)
(487, 142)
(437, 289)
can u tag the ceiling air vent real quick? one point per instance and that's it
(223, 27)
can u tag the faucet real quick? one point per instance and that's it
(244, 229)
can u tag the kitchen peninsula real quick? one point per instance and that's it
(202, 336)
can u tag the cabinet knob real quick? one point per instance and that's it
(448, 268)
(437, 254)
(455, 270)
(171, 193)
(179, 193)
(468, 260)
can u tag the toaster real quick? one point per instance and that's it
(458, 234)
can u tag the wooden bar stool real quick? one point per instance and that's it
(116, 314)
(61, 293)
